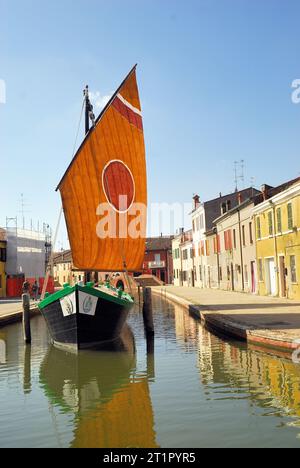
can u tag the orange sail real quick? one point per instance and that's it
(104, 190)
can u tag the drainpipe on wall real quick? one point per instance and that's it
(275, 247)
(241, 247)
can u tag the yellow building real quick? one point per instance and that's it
(2, 263)
(277, 221)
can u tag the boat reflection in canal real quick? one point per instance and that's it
(110, 401)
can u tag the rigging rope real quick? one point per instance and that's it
(49, 268)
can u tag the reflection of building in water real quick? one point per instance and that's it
(205, 354)
(185, 327)
(2, 349)
(112, 407)
(271, 381)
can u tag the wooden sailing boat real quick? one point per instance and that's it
(104, 196)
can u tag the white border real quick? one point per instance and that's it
(103, 185)
(130, 106)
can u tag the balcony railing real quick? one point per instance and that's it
(160, 264)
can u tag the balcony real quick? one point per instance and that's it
(153, 265)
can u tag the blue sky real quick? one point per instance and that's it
(215, 82)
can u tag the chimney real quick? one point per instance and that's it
(264, 191)
(196, 199)
(239, 198)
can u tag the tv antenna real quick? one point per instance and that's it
(23, 211)
(239, 175)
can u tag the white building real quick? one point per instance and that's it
(203, 217)
(183, 259)
(26, 253)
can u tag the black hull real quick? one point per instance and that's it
(80, 331)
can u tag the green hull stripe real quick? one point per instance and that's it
(88, 290)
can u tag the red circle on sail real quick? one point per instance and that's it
(118, 185)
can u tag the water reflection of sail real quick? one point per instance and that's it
(112, 406)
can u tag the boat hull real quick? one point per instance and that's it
(72, 326)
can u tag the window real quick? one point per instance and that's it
(279, 220)
(3, 255)
(258, 228)
(157, 258)
(185, 254)
(220, 273)
(290, 216)
(228, 240)
(270, 223)
(202, 222)
(234, 238)
(207, 248)
(260, 270)
(246, 274)
(293, 269)
(250, 233)
(191, 253)
(200, 273)
(244, 236)
(228, 273)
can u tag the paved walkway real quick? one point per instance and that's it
(11, 311)
(266, 321)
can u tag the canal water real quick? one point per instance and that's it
(194, 390)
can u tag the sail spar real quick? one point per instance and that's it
(104, 190)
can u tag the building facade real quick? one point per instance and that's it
(237, 250)
(277, 222)
(177, 258)
(26, 253)
(158, 260)
(183, 259)
(3, 246)
(204, 215)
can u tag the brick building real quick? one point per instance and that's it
(158, 259)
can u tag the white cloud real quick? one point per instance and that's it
(98, 100)
(2, 92)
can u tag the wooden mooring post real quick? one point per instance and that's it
(147, 312)
(27, 370)
(26, 318)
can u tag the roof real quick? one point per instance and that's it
(62, 257)
(2, 235)
(213, 208)
(159, 243)
(236, 209)
(272, 191)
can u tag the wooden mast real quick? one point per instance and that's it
(89, 115)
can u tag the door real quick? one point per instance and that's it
(272, 277)
(253, 278)
(282, 270)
